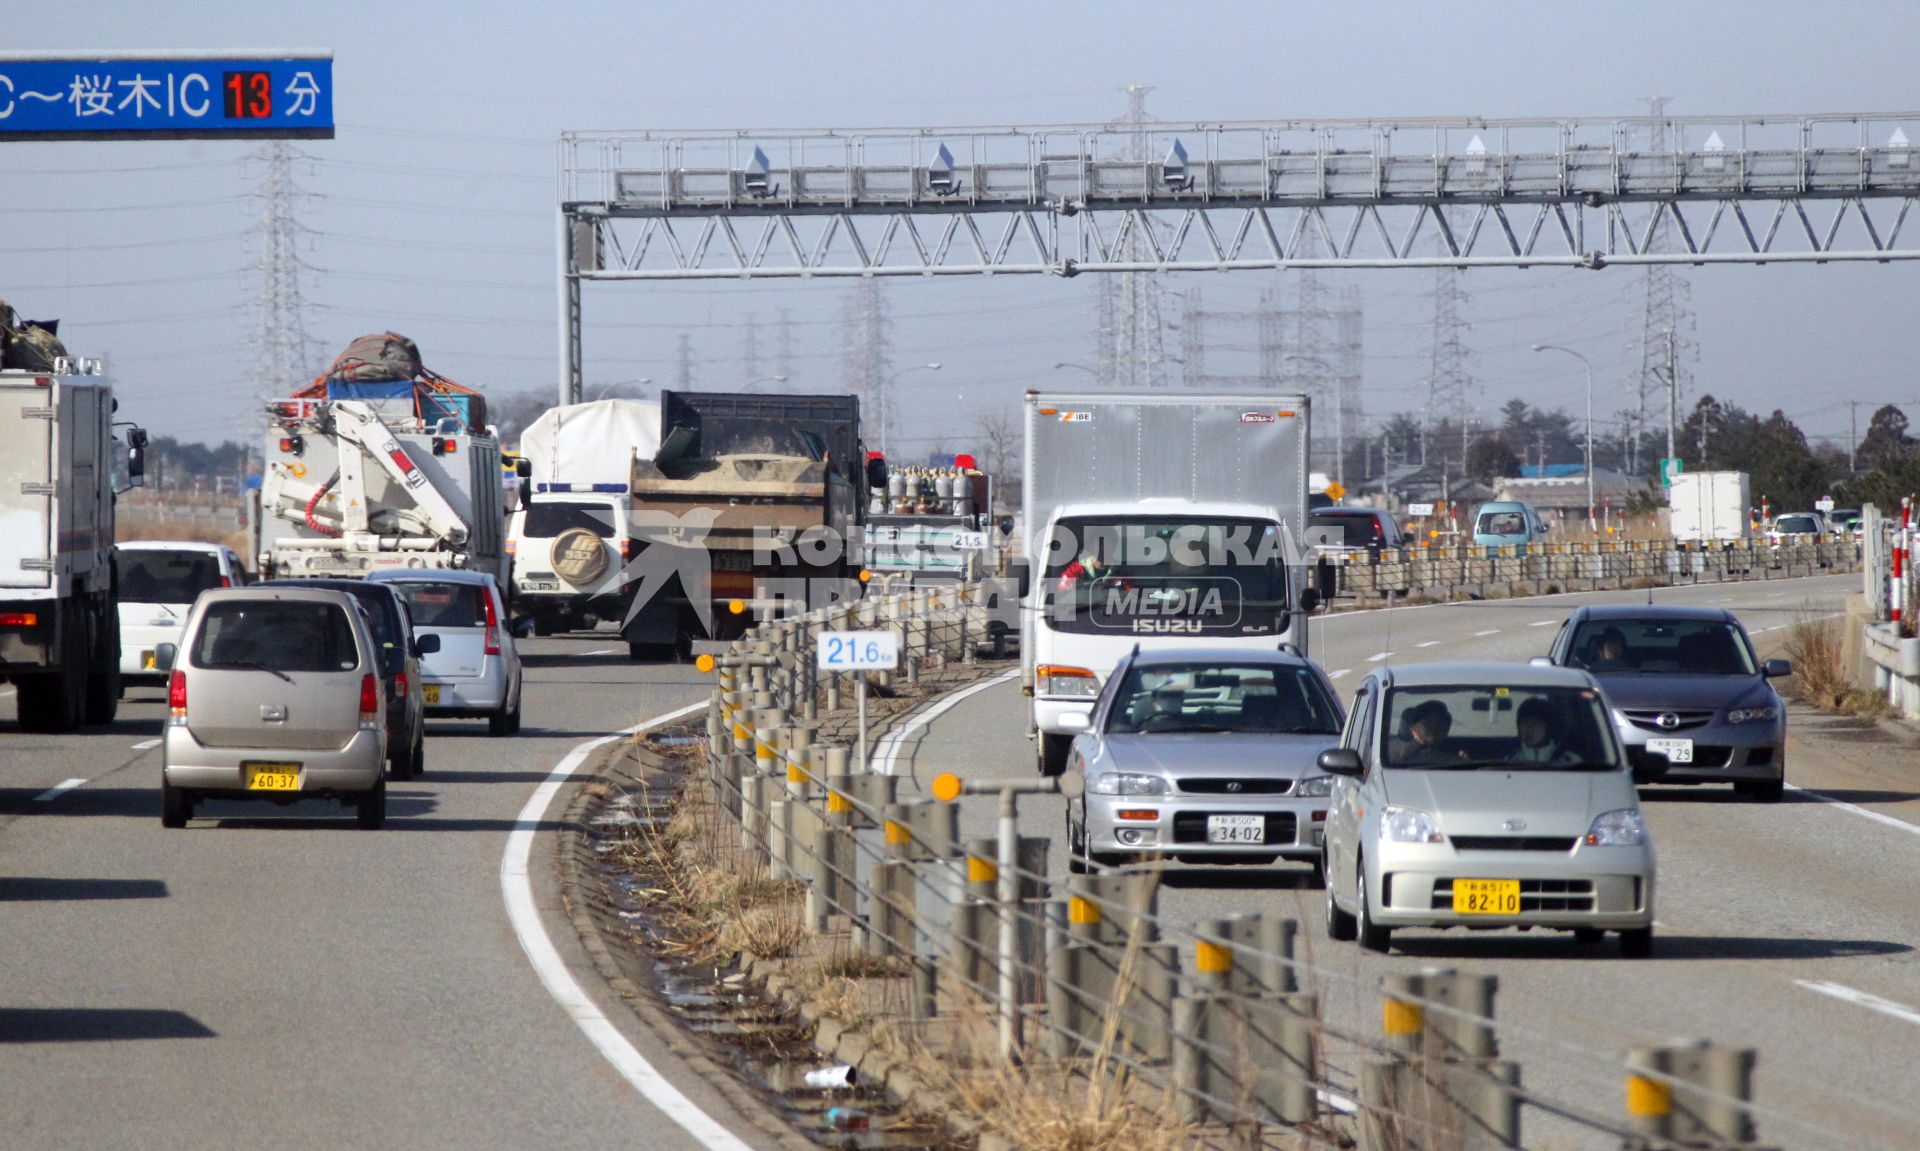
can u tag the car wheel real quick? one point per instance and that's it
(1053, 753)
(1588, 936)
(500, 722)
(542, 626)
(1637, 943)
(176, 806)
(1340, 925)
(513, 718)
(417, 766)
(1372, 936)
(1077, 863)
(1317, 873)
(370, 810)
(1762, 791)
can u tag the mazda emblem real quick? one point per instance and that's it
(1515, 824)
(1233, 785)
(1668, 721)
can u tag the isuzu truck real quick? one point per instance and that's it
(1155, 519)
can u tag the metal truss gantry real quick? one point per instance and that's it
(1062, 200)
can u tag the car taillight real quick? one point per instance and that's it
(226, 581)
(19, 619)
(400, 686)
(626, 549)
(493, 624)
(369, 700)
(177, 696)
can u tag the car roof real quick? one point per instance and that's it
(352, 587)
(1204, 654)
(278, 592)
(1656, 611)
(172, 546)
(1344, 511)
(1469, 674)
(429, 575)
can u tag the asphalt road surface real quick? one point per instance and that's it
(1789, 927)
(276, 977)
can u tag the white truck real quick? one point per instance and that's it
(1155, 519)
(1709, 507)
(59, 615)
(344, 493)
(572, 535)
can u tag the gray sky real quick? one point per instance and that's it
(432, 212)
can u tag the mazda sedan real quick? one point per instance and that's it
(1484, 796)
(1203, 757)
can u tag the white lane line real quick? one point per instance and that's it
(887, 752)
(560, 983)
(1377, 656)
(1489, 631)
(146, 744)
(57, 790)
(602, 651)
(1877, 817)
(1429, 643)
(1338, 674)
(1899, 1011)
(1543, 623)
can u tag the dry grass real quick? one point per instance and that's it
(1819, 672)
(127, 529)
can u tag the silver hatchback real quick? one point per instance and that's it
(274, 694)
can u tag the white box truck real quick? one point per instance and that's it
(59, 615)
(1709, 507)
(1155, 519)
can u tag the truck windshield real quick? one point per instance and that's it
(153, 576)
(1200, 576)
(547, 519)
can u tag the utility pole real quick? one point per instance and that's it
(683, 373)
(1853, 436)
(1673, 392)
(750, 348)
(783, 348)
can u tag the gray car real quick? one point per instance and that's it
(1690, 699)
(1484, 796)
(274, 694)
(1204, 757)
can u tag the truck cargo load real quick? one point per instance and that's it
(1709, 507)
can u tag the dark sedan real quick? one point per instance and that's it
(1690, 699)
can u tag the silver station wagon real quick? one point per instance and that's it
(274, 693)
(1485, 795)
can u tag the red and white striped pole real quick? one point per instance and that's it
(1898, 589)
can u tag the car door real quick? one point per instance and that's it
(1343, 814)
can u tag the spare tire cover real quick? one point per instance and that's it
(579, 556)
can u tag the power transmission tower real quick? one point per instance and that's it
(285, 356)
(1449, 381)
(1132, 338)
(750, 349)
(783, 347)
(1659, 376)
(867, 361)
(1349, 364)
(683, 369)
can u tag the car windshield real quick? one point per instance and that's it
(1661, 647)
(1502, 524)
(1796, 525)
(1263, 699)
(548, 518)
(276, 636)
(444, 604)
(148, 576)
(1346, 530)
(1510, 728)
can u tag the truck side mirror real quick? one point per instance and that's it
(876, 471)
(163, 656)
(1309, 599)
(523, 469)
(136, 456)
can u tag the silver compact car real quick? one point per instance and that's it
(1203, 757)
(475, 672)
(1691, 701)
(1484, 796)
(275, 694)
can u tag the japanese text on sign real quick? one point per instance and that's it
(117, 97)
(858, 651)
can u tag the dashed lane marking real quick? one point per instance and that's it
(1429, 643)
(1489, 631)
(1377, 656)
(1543, 623)
(601, 651)
(1338, 674)
(58, 790)
(146, 745)
(1853, 995)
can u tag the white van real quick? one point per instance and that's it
(159, 580)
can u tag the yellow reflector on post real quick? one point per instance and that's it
(1398, 1018)
(946, 787)
(1082, 910)
(703, 663)
(1648, 1097)
(838, 803)
(796, 773)
(737, 606)
(1211, 958)
(897, 832)
(981, 870)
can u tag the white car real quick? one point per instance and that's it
(475, 672)
(159, 580)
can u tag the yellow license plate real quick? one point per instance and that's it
(273, 776)
(1486, 896)
(432, 691)
(146, 661)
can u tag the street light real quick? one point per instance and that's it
(1079, 367)
(1584, 362)
(776, 378)
(886, 416)
(601, 394)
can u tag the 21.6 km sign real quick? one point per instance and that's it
(166, 95)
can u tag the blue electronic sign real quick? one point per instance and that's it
(135, 95)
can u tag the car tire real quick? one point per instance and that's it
(542, 626)
(1372, 936)
(1317, 872)
(370, 810)
(501, 722)
(1077, 861)
(513, 718)
(417, 766)
(1637, 943)
(1340, 924)
(1762, 791)
(176, 806)
(103, 684)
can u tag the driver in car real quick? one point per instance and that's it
(1425, 742)
(1164, 710)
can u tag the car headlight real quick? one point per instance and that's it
(1077, 682)
(1752, 714)
(1622, 828)
(1409, 825)
(1317, 785)
(1129, 783)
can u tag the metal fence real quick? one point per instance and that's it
(1214, 1029)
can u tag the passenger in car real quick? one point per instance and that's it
(1424, 741)
(1540, 735)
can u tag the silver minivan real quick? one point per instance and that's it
(275, 694)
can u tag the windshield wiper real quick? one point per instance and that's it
(251, 666)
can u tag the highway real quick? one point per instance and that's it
(1789, 927)
(275, 977)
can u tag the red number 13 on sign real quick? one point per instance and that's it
(249, 95)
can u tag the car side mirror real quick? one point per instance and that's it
(1006, 525)
(1776, 668)
(1541, 661)
(163, 656)
(877, 472)
(1309, 599)
(425, 645)
(1339, 761)
(1076, 720)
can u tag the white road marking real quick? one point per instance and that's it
(560, 983)
(1429, 643)
(1543, 623)
(1877, 817)
(602, 651)
(1377, 656)
(1338, 674)
(1899, 1011)
(1489, 631)
(57, 790)
(887, 752)
(146, 744)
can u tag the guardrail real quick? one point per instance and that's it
(1214, 1030)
